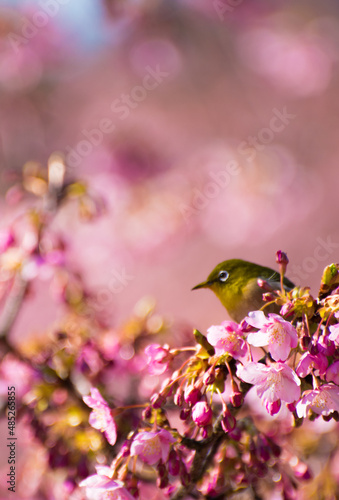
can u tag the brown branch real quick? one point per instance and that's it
(12, 306)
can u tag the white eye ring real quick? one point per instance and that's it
(223, 276)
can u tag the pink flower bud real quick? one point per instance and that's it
(161, 469)
(178, 399)
(173, 463)
(301, 471)
(228, 422)
(202, 414)
(263, 449)
(192, 395)
(287, 309)
(264, 285)
(274, 407)
(291, 407)
(158, 400)
(305, 342)
(209, 377)
(281, 258)
(126, 449)
(147, 413)
(184, 414)
(236, 396)
(268, 297)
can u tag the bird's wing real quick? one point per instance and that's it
(273, 278)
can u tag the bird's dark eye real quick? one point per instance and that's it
(222, 276)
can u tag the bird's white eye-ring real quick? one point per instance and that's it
(223, 275)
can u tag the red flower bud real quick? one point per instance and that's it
(228, 422)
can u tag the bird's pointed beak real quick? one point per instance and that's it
(204, 284)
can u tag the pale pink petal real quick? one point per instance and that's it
(215, 333)
(111, 433)
(332, 373)
(280, 352)
(258, 339)
(252, 373)
(256, 319)
(334, 335)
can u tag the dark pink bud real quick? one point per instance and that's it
(147, 413)
(125, 449)
(162, 482)
(287, 309)
(245, 327)
(301, 471)
(268, 297)
(314, 349)
(274, 407)
(161, 469)
(209, 377)
(281, 258)
(228, 422)
(158, 400)
(184, 414)
(236, 396)
(266, 287)
(173, 463)
(305, 342)
(202, 414)
(263, 449)
(178, 398)
(291, 407)
(192, 395)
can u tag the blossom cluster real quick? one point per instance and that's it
(291, 362)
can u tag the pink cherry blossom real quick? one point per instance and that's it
(334, 335)
(158, 358)
(151, 447)
(6, 239)
(323, 401)
(227, 339)
(192, 394)
(275, 332)
(332, 373)
(101, 416)
(309, 362)
(273, 383)
(100, 485)
(202, 414)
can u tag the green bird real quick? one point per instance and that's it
(235, 283)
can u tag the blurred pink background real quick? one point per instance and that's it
(209, 128)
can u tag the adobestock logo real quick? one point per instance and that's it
(266, 135)
(310, 264)
(40, 19)
(201, 197)
(118, 281)
(122, 107)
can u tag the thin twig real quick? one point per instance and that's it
(12, 306)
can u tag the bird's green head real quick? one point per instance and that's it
(230, 276)
(235, 283)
